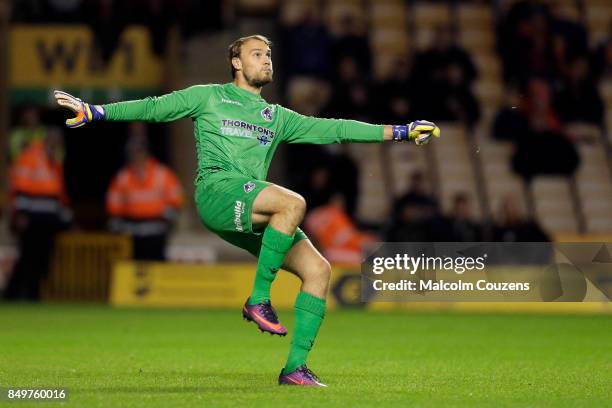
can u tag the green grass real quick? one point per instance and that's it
(170, 358)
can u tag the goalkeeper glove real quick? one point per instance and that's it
(420, 132)
(85, 112)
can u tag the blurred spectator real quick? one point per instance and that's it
(461, 224)
(143, 199)
(393, 96)
(202, 16)
(543, 148)
(441, 83)
(510, 123)
(432, 64)
(157, 16)
(535, 39)
(416, 195)
(309, 173)
(457, 102)
(513, 226)
(415, 216)
(352, 42)
(602, 57)
(64, 10)
(351, 95)
(321, 171)
(536, 56)
(525, 42)
(31, 11)
(39, 210)
(415, 223)
(569, 41)
(45, 11)
(335, 233)
(319, 188)
(578, 99)
(307, 47)
(345, 179)
(107, 19)
(29, 130)
(602, 60)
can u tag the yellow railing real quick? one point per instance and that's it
(82, 265)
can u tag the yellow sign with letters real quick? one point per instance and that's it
(216, 286)
(227, 286)
(63, 56)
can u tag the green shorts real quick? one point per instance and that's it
(225, 202)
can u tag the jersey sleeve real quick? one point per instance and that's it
(190, 102)
(297, 128)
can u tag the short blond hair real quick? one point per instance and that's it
(234, 49)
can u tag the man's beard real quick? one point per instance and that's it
(258, 82)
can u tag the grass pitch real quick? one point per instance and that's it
(183, 358)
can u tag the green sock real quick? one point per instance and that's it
(309, 313)
(274, 247)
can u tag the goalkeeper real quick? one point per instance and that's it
(237, 133)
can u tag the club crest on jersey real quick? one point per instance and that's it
(263, 140)
(248, 187)
(266, 113)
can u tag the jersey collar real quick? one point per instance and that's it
(244, 93)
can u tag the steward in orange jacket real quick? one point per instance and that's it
(39, 209)
(143, 199)
(335, 233)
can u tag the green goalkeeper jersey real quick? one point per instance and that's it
(237, 130)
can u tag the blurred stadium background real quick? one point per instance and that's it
(522, 91)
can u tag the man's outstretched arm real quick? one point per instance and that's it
(84, 112)
(420, 132)
(188, 102)
(297, 128)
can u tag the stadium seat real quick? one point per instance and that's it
(605, 88)
(499, 180)
(553, 204)
(389, 40)
(404, 159)
(596, 37)
(390, 14)
(292, 11)
(608, 121)
(454, 163)
(373, 202)
(424, 38)
(597, 3)
(337, 10)
(592, 153)
(487, 116)
(594, 187)
(307, 95)
(569, 11)
(598, 16)
(385, 63)
(489, 92)
(584, 132)
(257, 6)
(488, 65)
(477, 41)
(475, 16)
(427, 14)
